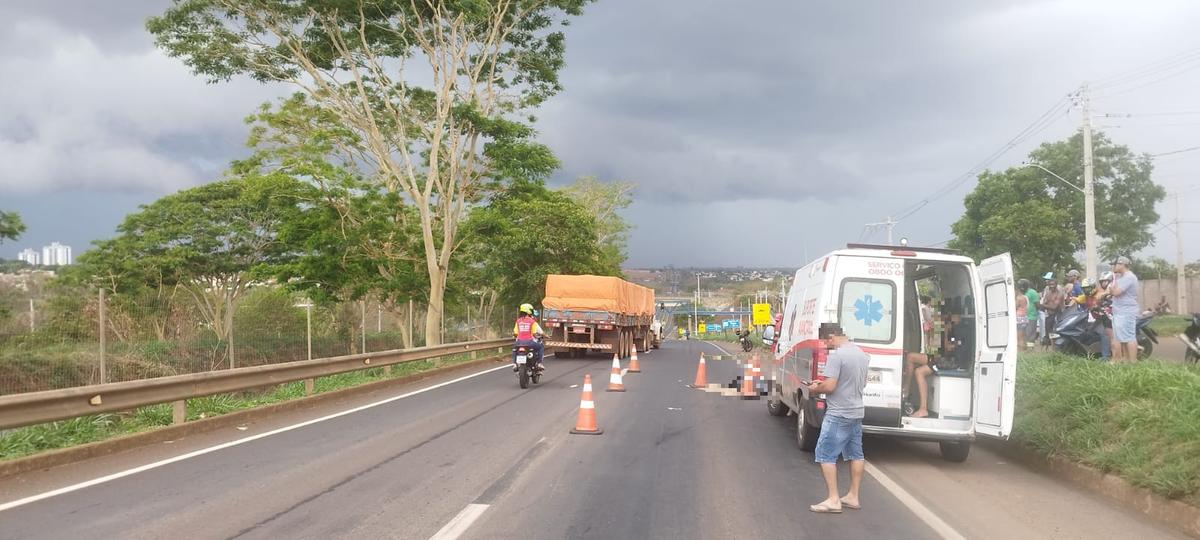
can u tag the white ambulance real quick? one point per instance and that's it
(876, 294)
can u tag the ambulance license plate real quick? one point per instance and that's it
(874, 376)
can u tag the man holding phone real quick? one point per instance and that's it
(841, 430)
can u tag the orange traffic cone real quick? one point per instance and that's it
(585, 424)
(701, 375)
(633, 363)
(747, 381)
(614, 379)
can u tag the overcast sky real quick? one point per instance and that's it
(758, 133)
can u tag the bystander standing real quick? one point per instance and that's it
(841, 429)
(1124, 290)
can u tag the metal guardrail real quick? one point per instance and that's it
(37, 407)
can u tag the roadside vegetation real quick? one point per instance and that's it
(1139, 421)
(1168, 326)
(31, 440)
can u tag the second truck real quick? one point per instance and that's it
(597, 314)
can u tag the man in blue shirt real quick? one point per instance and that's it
(1125, 310)
(841, 430)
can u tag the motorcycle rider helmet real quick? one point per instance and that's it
(527, 309)
(1087, 285)
(1107, 276)
(1049, 276)
(1073, 273)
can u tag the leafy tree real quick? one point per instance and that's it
(208, 240)
(344, 237)
(442, 146)
(1040, 220)
(526, 234)
(1153, 268)
(11, 226)
(603, 200)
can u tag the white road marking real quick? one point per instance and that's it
(222, 446)
(461, 522)
(942, 528)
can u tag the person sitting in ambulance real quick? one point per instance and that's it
(527, 331)
(916, 365)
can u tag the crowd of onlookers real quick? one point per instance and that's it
(1112, 301)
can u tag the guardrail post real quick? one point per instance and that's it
(308, 386)
(179, 411)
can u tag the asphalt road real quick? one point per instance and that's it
(672, 463)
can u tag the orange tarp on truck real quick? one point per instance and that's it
(597, 293)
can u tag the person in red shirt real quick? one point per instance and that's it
(526, 331)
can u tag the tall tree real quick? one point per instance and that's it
(604, 201)
(485, 62)
(1040, 220)
(209, 240)
(11, 226)
(526, 234)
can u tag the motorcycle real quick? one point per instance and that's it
(1147, 337)
(1078, 334)
(1191, 338)
(744, 339)
(527, 365)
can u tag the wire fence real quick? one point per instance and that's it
(54, 337)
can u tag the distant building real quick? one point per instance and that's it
(30, 256)
(56, 254)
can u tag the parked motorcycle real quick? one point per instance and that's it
(527, 365)
(1191, 338)
(744, 339)
(1147, 337)
(1078, 334)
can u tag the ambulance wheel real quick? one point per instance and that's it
(775, 406)
(955, 451)
(806, 435)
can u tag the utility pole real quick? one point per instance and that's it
(1089, 194)
(1181, 285)
(889, 224)
(696, 304)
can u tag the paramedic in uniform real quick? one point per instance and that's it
(841, 430)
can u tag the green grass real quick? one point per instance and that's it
(1170, 325)
(66, 433)
(1139, 421)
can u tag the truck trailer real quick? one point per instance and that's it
(597, 314)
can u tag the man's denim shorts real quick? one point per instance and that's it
(840, 436)
(1124, 327)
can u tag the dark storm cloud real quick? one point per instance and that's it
(695, 99)
(114, 25)
(756, 131)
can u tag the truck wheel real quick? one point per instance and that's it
(955, 451)
(806, 435)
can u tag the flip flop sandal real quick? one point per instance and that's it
(851, 506)
(822, 509)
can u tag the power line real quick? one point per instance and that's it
(1173, 152)
(1139, 115)
(1151, 69)
(1044, 121)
